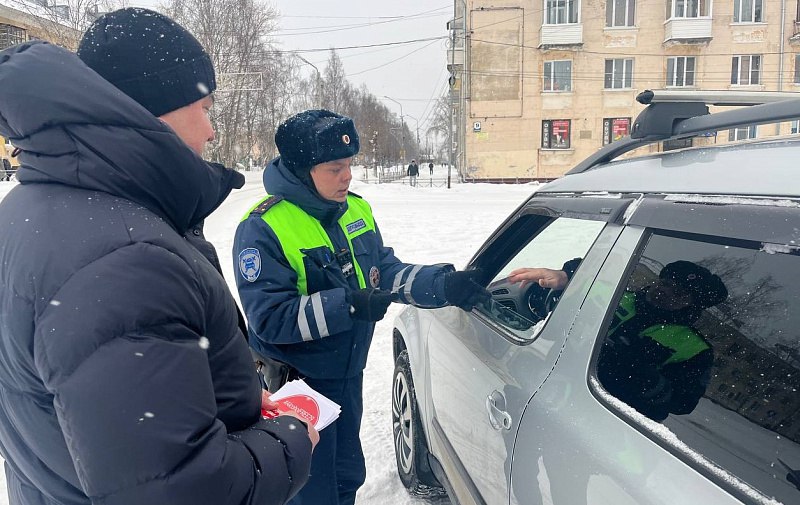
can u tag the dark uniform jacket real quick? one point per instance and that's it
(317, 335)
(124, 377)
(654, 361)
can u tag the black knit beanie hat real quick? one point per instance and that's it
(313, 137)
(149, 57)
(706, 288)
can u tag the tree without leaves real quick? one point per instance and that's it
(440, 126)
(63, 22)
(335, 86)
(235, 34)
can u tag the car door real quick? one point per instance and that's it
(485, 365)
(591, 434)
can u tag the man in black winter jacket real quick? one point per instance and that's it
(412, 171)
(125, 377)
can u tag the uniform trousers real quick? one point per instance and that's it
(337, 465)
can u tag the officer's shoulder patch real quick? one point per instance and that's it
(250, 264)
(267, 204)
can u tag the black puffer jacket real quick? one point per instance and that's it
(124, 377)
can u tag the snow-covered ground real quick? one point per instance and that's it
(424, 225)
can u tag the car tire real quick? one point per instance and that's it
(410, 445)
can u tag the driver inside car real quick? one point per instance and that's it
(546, 277)
(653, 358)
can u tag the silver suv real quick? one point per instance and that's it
(664, 368)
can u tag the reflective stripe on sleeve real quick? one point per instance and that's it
(398, 279)
(302, 320)
(409, 283)
(319, 315)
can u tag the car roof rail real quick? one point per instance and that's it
(673, 114)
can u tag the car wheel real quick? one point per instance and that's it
(410, 446)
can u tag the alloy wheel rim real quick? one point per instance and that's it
(402, 426)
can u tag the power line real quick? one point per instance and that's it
(428, 112)
(268, 52)
(344, 48)
(392, 61)
(358, 17)
(337, 28)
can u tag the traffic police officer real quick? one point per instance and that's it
(314, 277)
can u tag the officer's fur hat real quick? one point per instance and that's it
(706, 288)
(313, 137)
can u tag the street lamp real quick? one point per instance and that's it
(317, 81)
(402, 129)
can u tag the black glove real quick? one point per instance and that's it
(370, 304)
(462, 290)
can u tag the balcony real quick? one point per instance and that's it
(796, 33)
(687, 30)
(561, 35)
(455, 58)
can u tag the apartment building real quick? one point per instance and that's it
(538, 85)
(23, 20)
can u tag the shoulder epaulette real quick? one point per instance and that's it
(355, 195)
(267, 204)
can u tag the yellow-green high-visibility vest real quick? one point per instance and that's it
(297, 230)
(681, 339)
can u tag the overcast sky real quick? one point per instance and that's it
(413, 74)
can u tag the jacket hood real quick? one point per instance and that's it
(75, 128)
(280, 181)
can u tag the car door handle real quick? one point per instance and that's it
(498, 418)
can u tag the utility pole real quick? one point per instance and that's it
(402, 130)
(451, 81)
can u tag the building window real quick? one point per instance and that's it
(745, 70)
(747, 11)
(680, 71)
(614, 128)
(688, 8)
(11, 35)
(560, 12)
(797, 68)
(557, 75)
(794, 127)
(619, 73)
(746, 132)
(555, 133)
(620, 13)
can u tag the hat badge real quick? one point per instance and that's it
(346, 139)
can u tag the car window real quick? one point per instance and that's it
(704, 339)
(517, 307)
